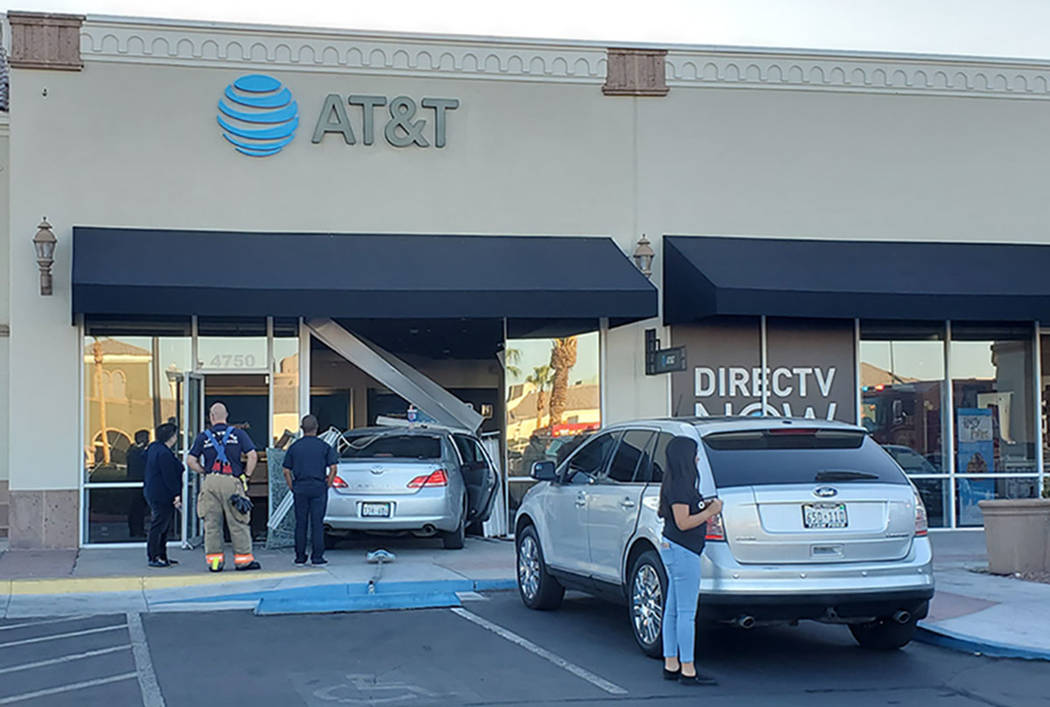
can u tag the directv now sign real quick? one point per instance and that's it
(259, 117)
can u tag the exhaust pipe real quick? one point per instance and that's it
(429, 529)
(902, 617)
(745, 622)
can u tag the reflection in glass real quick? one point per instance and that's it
(285, 387)
(973, 489)
(130, 387)
(111, 515)
(993, 395)
(553, 396)
(902, 388)
(936, 496)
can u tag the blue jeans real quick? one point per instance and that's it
(683, 591)
(311, 501)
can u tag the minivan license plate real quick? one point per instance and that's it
(375, 510)
(824, 515)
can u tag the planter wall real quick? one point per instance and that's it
(1017, 532)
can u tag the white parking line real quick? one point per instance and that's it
(58, 636)
(528, 645)
(64, 659)
(42, 623)
(65, 688)
(151, 696)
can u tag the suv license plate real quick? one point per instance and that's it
(824, 515)
(375, 510)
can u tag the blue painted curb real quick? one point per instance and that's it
(944, 638)
(348, 594)
(275, 606)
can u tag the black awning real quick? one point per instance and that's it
(165, 272)
(706, 276)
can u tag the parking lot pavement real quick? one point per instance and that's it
(58, 661)
(494, 651)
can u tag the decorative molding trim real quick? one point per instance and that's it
(910, 76)
(294, 50)
(636, 72)
(199, 44)
(43, 40)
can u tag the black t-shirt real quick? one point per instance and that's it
(682, 490)
(309, 458)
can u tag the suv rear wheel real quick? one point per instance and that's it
(884, 634)
(538, 589)
(646, 592)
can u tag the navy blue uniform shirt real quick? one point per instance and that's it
(309, 458)
(163, 477)
(238, 443)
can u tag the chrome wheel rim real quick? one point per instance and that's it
(529, 567)
(647, 605)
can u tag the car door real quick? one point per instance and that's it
(613, 502)
(479, 474)
(566, 546)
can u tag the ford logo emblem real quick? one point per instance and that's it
(825, 492)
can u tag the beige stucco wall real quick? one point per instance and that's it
(5, 318)
(132, 141)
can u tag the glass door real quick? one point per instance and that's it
(192, 425)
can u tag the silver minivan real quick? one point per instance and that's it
(818, 523)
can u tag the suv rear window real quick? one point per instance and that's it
(757, 457)
(392, 446)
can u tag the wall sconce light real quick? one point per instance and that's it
(44, 243)
(643, 256)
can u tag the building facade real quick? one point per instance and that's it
(852, 237)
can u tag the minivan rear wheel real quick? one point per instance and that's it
(646, 593)
(538, 589)
(884, 634)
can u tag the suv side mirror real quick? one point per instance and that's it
(543, 471)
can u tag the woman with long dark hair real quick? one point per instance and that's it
(685, 514)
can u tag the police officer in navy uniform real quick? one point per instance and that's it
(309, 468)
(216, 453)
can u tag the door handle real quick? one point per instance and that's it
(627, 503)
(581, 501)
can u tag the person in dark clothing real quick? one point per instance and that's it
(309, 468)
(685, 514)
(136, 460)
(162, 489)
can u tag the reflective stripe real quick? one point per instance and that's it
(215, 561)
(241, 559)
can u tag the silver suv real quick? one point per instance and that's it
(818, 523)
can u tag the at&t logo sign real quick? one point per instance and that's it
(258, 115)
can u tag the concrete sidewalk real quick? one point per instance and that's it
(100, 580)
(983, 613)
(971, 611)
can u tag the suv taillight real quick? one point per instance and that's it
(437, 478)
(715, 528)
(922, 523)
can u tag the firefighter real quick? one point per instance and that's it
(216, 453)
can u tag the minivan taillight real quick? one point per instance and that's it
(922, 523)
(716, 529)
(437, 478)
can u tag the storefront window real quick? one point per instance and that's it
(553, 399)
(995, 415)
(132, 384)
(285, 378)
(902, 401)
(231, 345)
